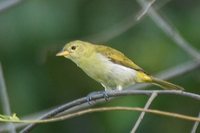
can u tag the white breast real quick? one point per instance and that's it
(121, 75)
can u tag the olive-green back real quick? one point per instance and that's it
(117, 57)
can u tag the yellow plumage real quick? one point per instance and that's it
(109, 66)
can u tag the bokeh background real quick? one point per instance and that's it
(32, 32)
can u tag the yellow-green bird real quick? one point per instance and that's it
(109, 66)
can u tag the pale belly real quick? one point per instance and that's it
(109, 74)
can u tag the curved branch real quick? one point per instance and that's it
(100, 98)
(101, 109)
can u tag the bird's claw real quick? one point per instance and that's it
(90, 95)
(105, 95)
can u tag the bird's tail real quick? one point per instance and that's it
(143, 77)
(165, 85)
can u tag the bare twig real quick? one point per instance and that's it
(5, 100)
(145, 10)
(8, 4)
(100, 98)
(101, 109)
(195, 126)
(180, 116)
(152, 97)
(171, 32)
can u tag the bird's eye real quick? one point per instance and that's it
(73, 47)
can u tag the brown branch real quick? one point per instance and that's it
(99, 98)
(153, 111)
(103, 109)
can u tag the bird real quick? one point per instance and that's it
(110, 67)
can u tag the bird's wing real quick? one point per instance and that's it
(117, 57)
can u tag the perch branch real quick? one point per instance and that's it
(176, 71)
(100, 98)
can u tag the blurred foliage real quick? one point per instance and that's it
(32, 32)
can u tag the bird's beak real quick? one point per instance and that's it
(63, 53)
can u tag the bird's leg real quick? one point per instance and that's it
(118, 88)
(105, 93)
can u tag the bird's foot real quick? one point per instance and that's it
(92, 94)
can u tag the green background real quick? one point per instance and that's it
(32, 32)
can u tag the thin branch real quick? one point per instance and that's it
(101, 109)
(169, 31)
(99, 98)
(152, 97)
(9, 4)
(145, 10)
(5, 100)
(195, 126)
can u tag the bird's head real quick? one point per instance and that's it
(76, 50)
